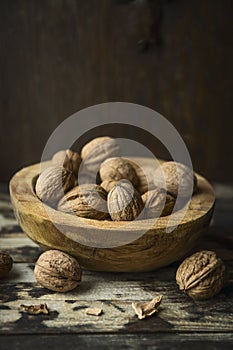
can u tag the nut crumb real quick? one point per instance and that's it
(35, 309)
(94, 311)
(147, 309)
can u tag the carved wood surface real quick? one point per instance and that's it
(102, 245)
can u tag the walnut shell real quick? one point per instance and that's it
(117, 168)
(68, 159)
(97, 150)
(171, 171)
(6, 263)
(88, 201)
(85, 179)
(201, 275)
(52, 183)
(57, 271)
(124, 202)
(108, 184)
(157, 203)
(145, 181)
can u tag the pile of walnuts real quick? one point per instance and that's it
(101, 185)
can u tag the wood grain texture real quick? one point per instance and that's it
(144, 244)
(113, 293)
(180, 324)
(120, 341)
(58, 57)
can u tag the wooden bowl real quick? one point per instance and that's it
(151, 250)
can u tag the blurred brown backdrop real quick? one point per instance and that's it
(58, 57)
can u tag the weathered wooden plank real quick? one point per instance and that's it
(164, 277)
(124, 286)
(184, 341)
(8, 222)
(118, 316)
(20, 247)
(4, 192)
(114, 293)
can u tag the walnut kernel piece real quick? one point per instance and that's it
(143, 310)
(87, 201)
(202, 275)
(117, 168)
(6, 263)
(157, 203)
(97, 150)
(57, 271)
(52, 183)
(124, 202)
(35, 309)
(94, 311)
(177, 176)
(68, 159)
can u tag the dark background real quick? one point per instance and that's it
(59, 56)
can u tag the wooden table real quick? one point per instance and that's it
(180, 324)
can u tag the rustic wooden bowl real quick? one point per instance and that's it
(152, 250)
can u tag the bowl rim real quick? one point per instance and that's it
(24, 197)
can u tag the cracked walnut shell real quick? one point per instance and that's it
(147, 309)
(202, 275)
(57, 271)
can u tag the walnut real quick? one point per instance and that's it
(97, 150)
(117, 168)
(52, 183)
(88, 201)
(145, 178)
(157, 203)
(68, 159)
(85, 178)
(124, 202)
(108, 184)
(57, 271)
(6, 263)
(171, 171)
(201, 275)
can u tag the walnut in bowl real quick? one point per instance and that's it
(152, 245)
